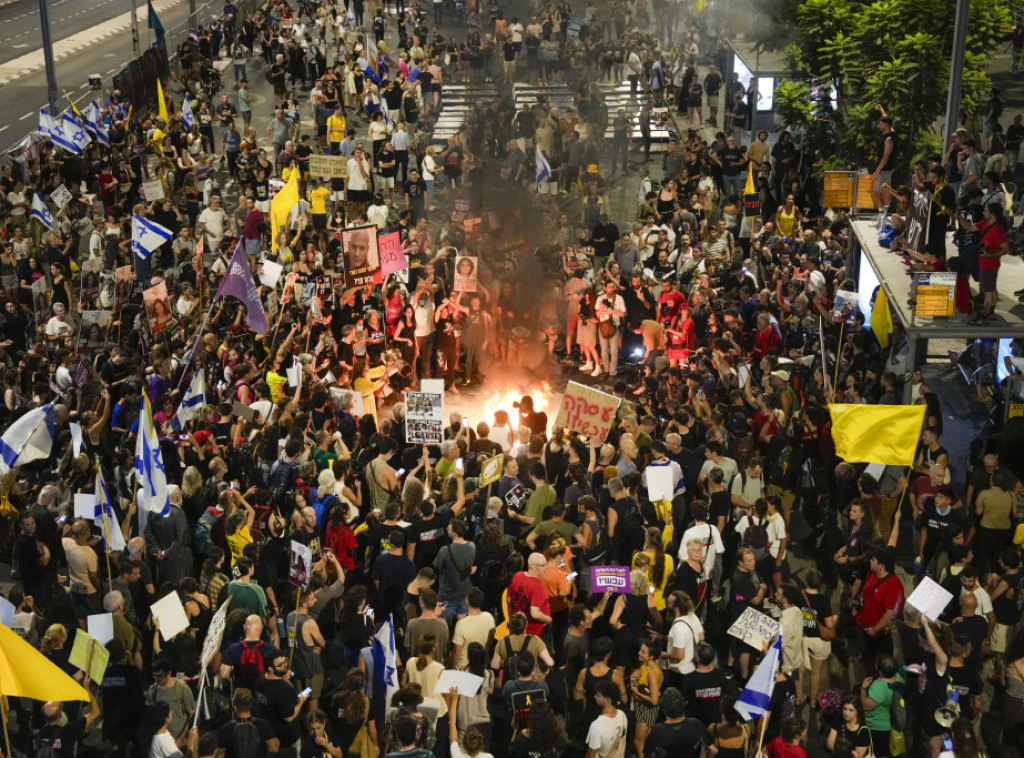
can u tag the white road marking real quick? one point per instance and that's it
(26, 116)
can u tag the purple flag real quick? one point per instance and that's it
(239, 283)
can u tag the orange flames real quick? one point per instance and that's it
(505, 401)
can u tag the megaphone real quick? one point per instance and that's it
(950, 712)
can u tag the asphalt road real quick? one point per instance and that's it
(22, 97)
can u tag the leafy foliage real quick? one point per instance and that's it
(893, 53)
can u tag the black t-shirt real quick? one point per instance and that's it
(393, 571)
(730, 156)
(815, 608)
(681, 740)
(277, 699)
(429, 536)
(704, 691)
(745, 587)
(721, 505)
(60, 739)
(936, 524)
(891, 163)
(445, 327)
(967, 682)
(226, 736)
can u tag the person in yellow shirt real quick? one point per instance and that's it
(336, 130)
(318, 195)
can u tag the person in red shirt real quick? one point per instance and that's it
(526, 595)
(670, 301)
(766, 339)
(787, 744)
(881, 601)
(993, 247)
(681, 337)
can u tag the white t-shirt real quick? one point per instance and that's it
(458, 752)
(55, 327)
(777, 533)
(728, 466)
(472, 629)
(684, 634)
(982, 596)
(163, 746)
(748, 491)
(214, 223)
(607, 733)
(701, 532)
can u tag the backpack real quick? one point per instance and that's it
(898, 709)
(245, 740)
(756, 538)
(204, 528)
(630, 532)
(250, 665)
(785, 468)
(282, 478)
(511, 669)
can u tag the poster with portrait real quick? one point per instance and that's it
(362, 260)
(41, 301)
(424, 414)
(465, 273)
(300, 564)
(844, 306)
(92, 335)
(123, 280)
(91, 284)
(158, 307)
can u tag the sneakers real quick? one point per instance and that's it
(588, 366)
(597, 371)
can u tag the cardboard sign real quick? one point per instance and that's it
(61, 196)
(271, 273)
(362, 258)
(837, 189)
(659, 483)
(516, 498)
(153, 190)
(931, 598)
(754, 628)
(289, 288)
(328, 166)
(243, 411)
(88, 653)
(300, 564)
(490, 471)
(614, 578)
(171, 614)
(392, 254)
(211, 644)
(424, 418)
(587, 411)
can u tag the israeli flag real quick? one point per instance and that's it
(147, 236)
(385, 659)
(94, 122)
(75, 134)
(52, 129)
(350, 15)
(756, 697)
(149, 468)
(28, 439)
(543, 167)
(186, 114)
(40, 211)
(105, 519)
(192, 404)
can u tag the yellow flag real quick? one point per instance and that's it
(281, 206)
(881, 319)
(877, 433)
(701, 5)
(161, 104)
(749, 188)
(25, 672)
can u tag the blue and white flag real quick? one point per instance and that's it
(74, 133)
(192, 404)
(756, 697)
(350, 15)
(543, 167)
(28, 439)
(52, 129)
(187, 118)
(147, 236)
(385, 659)
(149, 468)
(105, 519)
(94, 122)
(40, 211)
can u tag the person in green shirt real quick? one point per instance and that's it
(450, 453)
(328, 449)
(244, 592)
(555, 525)
(876, 696)
(543, 496)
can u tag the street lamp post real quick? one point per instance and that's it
(956, 72)
(135, 31)
(51, 70)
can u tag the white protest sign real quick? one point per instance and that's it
(754, 628)
(76, 438)
(85, 507)
(294, 374)
(211, 644)
(468, 684)
(153, 190)
(659, 483)
(433, 386)
(169, 611)
(271, 273)
(931, 598)
(101, 627)
(61, 196)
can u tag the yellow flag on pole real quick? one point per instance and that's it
(749, 188)
(281, 206)
(161, 103)
(25, 672)
(881, 319)
(885, 434)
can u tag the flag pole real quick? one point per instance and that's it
(295, 638)
(3, 717)
(273, 338)
(764, 728)
(106, 532)
(839, 354)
